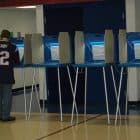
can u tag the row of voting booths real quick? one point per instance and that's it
(88, 47)
(84, 48)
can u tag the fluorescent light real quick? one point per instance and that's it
(24, 7)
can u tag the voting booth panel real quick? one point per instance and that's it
(37, 48)
(79, 46)
(27, 49)
(122, 46)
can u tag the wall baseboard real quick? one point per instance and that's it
(19, 91)
(133, 102)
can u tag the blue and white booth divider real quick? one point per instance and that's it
(58, 48)
(19, 42)
(51, 49)
(94, 48)
(93, 44)
(101, 48)
(133, 46)
(89, 48)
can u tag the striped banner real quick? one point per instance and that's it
(5, 3)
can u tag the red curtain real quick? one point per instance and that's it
(4, 3)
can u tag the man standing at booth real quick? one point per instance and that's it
(9, 57)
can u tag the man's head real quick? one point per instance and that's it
(5, 34)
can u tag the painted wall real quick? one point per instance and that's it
(24, 21)
(132, 24)
(18, 20)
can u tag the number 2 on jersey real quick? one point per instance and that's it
(4, 55)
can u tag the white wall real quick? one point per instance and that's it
(130, 15)
(137, 15)
(18, 20)
(42, 71)
(133, 25)
(24, 21)
(19, 77)
(137, 22)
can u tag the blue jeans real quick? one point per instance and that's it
(5, 100)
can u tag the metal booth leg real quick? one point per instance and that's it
(106, 96)
(118, 98)
(73, 94)
(112, 71)
(31, 97)
(59, 88)
(85, 102)
(25, 100)
(36, 91)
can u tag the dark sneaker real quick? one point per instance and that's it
(9, 119)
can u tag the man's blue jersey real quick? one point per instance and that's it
(9, 56)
